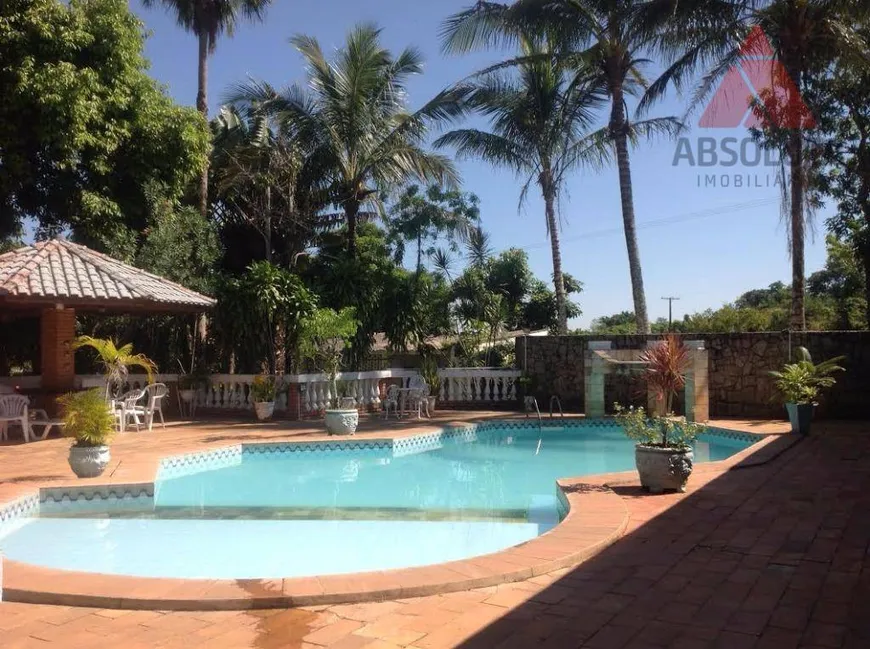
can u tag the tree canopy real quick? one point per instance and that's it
(86, 135)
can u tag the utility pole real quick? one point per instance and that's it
(670, 311)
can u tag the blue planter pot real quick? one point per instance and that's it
(800, 415)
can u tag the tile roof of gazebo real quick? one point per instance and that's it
(60, 271)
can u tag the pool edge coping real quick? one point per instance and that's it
(588, 497)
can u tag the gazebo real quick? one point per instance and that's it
(56, 279)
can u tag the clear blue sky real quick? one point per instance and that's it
(714, 243)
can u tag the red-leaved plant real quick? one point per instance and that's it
(666, 366)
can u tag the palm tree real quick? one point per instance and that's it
(264, 181)
(207, 19)
(801, 39)
(604, 39)
(354, 116)
(478, 247)
(116, 361)
(540, 123)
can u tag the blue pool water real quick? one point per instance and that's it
(256, 514)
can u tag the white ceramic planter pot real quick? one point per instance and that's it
(187, 396)
(663, 469)
(432, 402)
(89, 461)
(264, 409)
(342, 422)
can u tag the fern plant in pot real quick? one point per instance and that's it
(263, 390)
(801, 383)
(663, 450)
(89, 421)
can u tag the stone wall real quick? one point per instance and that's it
(740, 385)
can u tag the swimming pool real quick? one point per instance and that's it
(317, 508)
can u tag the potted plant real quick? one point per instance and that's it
(322, 339)
(800, 384)
(429, 372)
(263, 396)
(189, 383)
(663, 453)
(663, 450)
(89, 421)
(116, 362)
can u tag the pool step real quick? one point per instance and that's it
(305, 513)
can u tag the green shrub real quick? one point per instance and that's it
(87, 418)
(664, 431)
(263, 389)
(429, 372)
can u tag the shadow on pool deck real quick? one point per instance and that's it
(769, 557)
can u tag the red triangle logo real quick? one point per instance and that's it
(757, 91)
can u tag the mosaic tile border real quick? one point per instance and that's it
(22, 507)
(734, 434)
(304, 448)
(562, 505)
(177, 466)
(114, 492)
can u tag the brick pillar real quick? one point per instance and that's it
(294, 402)
(58, 329)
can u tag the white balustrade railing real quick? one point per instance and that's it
(471, 384)
(134, 381)
(85, 381)
(233, 391)
(316, 394)
(31, 382)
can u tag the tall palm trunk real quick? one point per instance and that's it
(797, 189)
(798, 320)
(549, 192)
(351, 210)
(202, 107)
(419, 252)
(619, 132)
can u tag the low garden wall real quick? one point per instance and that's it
(739, 365)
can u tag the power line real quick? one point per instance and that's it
(667, 220)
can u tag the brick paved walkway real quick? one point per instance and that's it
(772, 557)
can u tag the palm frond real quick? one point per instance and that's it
(478, 27)
(493, 148)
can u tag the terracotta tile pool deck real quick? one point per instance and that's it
(765, 550)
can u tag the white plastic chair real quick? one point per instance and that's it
(155, 394)
(13, 410)
(125, 407)
(391, 401)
